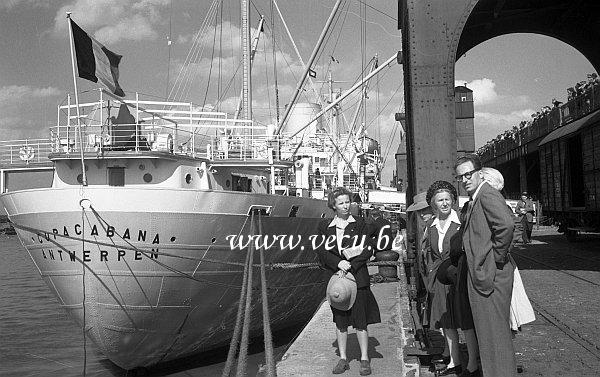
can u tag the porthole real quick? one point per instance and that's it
(188, 178)
(80, 179)
(142, 167)
(147, 177)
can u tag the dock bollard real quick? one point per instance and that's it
(387, 255)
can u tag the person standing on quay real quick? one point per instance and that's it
(487, 237)
(383, 230)
(344, 228)
(525, 211)
(448, 305)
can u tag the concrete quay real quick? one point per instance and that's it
(314, 352)
(562, 281)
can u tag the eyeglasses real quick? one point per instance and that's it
(466, 175)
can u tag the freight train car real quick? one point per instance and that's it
(570, 175)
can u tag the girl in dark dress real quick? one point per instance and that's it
(448, 301)
(365, 310)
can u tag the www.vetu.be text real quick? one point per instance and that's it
(291, 241)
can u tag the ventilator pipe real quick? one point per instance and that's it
(309, 64)
(396, 57)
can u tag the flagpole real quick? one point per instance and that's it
(83, 175)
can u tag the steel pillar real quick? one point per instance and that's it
(431, 31)
(522, 173)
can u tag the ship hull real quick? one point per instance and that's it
(152, 274)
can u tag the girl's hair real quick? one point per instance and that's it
(440, 186)
(338, 191)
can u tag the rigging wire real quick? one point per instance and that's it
(376, 24)
(377, 108)
(388, 148)
(267, 79)
(274, 63)
(182, 82)
(212, 58)
(169, 43)
(337, 40)
(338, 15)
(386, 105)
(363, 53)
(197, 57)
(218, 104)
(377, 10)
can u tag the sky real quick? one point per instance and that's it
(512, 76)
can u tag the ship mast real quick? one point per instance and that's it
(246, 84)
(240, 104)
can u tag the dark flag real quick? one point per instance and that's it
(95, 62)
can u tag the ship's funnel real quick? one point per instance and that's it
(301, 114)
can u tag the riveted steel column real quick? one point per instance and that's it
(522, 173)
(431, 30)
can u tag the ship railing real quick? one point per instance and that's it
(243, 147)
(25, 153)
(174, 127)
(350, 182)
(141, 125)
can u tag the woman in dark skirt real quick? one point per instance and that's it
(449, 307)
(347, 229)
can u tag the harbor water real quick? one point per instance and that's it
(39, 339)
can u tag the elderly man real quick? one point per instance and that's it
(487, 237)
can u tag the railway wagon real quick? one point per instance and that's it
(570, 175)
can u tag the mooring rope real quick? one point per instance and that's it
(267, 335)
(243, 354)
(238, 322)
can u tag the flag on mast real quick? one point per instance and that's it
(95, 62)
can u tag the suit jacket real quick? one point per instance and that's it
(487, 237)
(330, 258)
(452, 245)
(527, 205)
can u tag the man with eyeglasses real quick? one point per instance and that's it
(487, 236)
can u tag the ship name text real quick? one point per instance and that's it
(99, 253)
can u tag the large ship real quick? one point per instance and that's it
(142, 235)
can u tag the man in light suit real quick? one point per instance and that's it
(487, 237)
